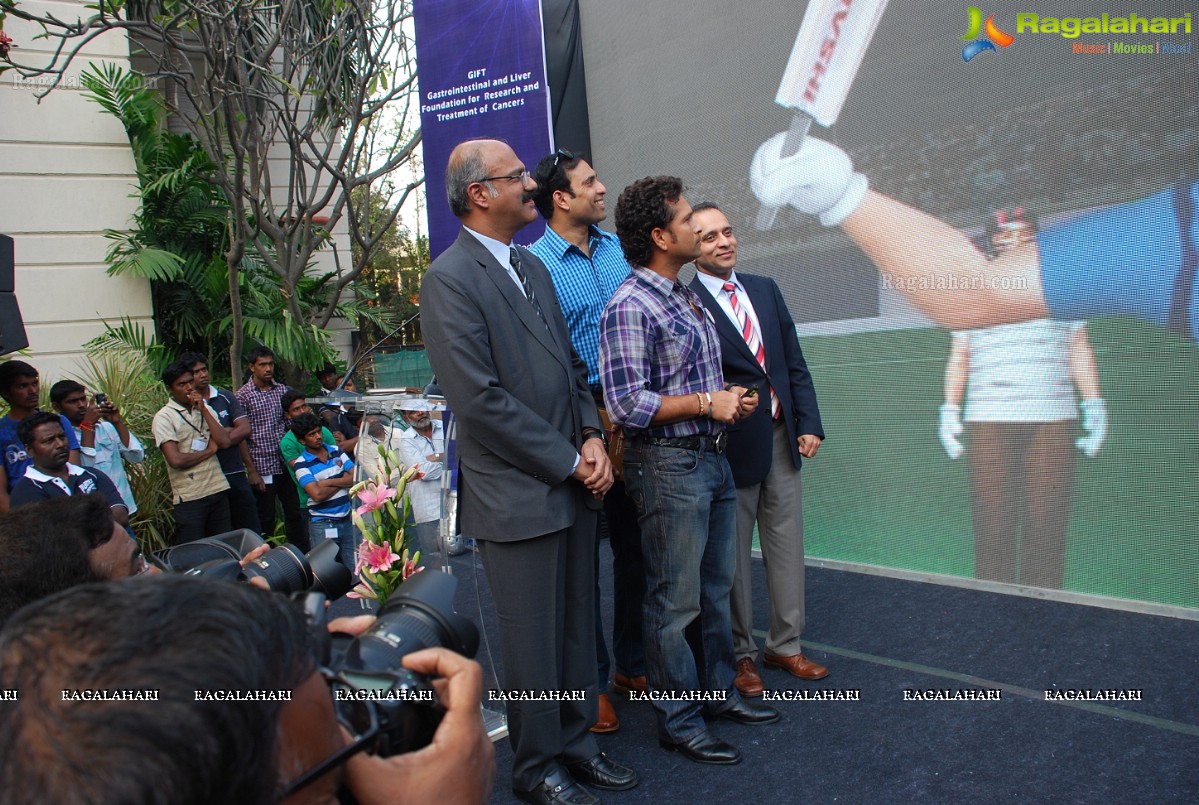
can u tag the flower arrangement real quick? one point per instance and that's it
(385, 558)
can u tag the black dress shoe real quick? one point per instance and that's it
(705, 748)
(750, 713)
(558, 789)
(605, 773)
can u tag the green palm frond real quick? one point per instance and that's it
(130, 337)
(127, 257)
(126, 373)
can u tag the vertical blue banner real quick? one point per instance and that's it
(481, 65)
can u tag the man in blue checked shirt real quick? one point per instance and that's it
(587, 266)
(105, 441)
(660, 361)
(326, 474)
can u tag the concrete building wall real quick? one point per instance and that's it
(66, 175)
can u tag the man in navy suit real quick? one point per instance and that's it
(759, 349)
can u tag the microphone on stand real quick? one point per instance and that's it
(340, 390)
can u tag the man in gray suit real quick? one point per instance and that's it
(533, 469)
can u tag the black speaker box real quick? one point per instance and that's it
(12, 326)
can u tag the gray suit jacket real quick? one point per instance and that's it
(519, 392)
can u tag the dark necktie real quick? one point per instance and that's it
(514, 261)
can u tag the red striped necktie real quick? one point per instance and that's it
(752, 340)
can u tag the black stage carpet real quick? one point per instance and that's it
(881, 637)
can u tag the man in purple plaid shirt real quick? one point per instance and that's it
(261, 398)
(660, 361)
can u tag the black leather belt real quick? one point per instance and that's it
(700, 442)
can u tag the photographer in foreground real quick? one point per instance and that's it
(174, 637)
(61, 543)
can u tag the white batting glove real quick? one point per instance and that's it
(819, 179)
(950, 429)
(1094, 422)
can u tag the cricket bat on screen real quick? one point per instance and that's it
(832, 41)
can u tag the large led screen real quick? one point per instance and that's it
(1057, 453)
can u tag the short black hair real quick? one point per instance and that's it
(550, 175)
(289, 397)
(27, 426)
(705, 205)
(259, 352)
(643, 206)
(63, 389)
(175, 371)
(169, 633)
(10, 371)
(45, 548)
(327, 369)
(192, 358)
(304, 424)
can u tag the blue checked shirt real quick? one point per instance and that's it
(584, 285)
(657, 339)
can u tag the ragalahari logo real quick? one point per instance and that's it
(994, 34)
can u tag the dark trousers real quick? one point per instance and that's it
(628, 586)
(285, 492)
(243, 508)
(195, 519)
(542, 588)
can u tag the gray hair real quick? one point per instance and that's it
(464, 169)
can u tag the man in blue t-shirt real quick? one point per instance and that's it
(325, 473)
(19, 386)
(51, 474)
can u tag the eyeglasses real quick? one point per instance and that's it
(359, 719)
(562, 154)
(524, 177)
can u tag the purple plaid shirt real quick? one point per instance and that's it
(657, 339)
(267, 425)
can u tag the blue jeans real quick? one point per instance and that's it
(687, 505)
(347, 538)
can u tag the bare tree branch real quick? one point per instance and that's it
(301, 104)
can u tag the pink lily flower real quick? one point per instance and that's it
(373, 497)
(363, 590)
(376, 558)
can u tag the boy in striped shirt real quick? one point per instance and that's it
(325, 473)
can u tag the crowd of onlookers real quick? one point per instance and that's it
(234, 458)
(194, 690)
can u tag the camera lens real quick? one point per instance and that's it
(419, 615)
(284, 569)
(329, 576)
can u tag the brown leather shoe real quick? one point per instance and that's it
(623, 684)
(796, 665)
(748, 682)
(607, 721)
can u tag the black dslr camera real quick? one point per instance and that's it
(285, 569)
(390, 709)
(387, 708)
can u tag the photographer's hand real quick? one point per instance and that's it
(458, 766)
